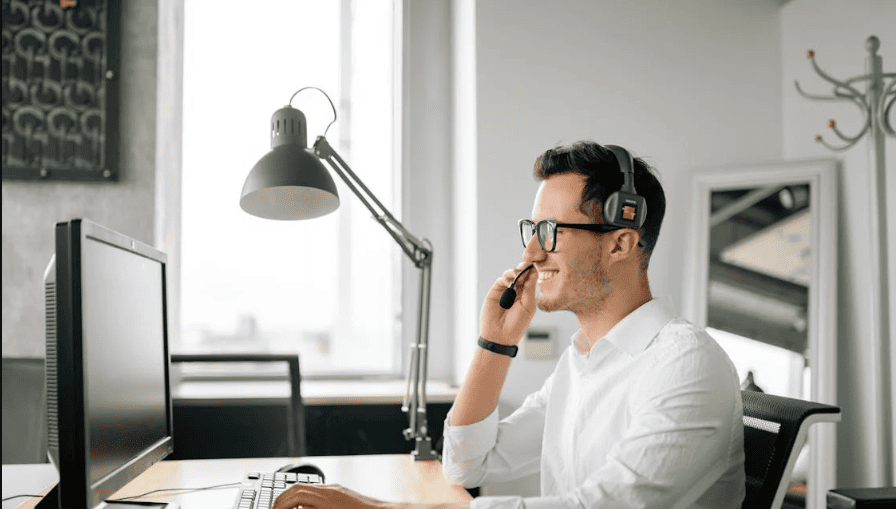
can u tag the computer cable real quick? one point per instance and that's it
(186, 490)
(20, 496)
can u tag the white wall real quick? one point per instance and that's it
(684, 84)
(837, 31)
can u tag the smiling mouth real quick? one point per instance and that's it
(546, 275)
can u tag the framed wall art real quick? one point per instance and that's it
(61, 60)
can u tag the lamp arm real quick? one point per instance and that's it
(416, 249)
(420, 252)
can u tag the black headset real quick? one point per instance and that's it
(625, 208)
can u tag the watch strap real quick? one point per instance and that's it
(508, 350)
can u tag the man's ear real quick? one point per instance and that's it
(625, 244)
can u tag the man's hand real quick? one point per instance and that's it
(308, 496)
(333, 496)
(506, 326)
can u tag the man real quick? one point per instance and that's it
(642, 410)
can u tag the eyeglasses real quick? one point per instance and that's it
(547, 231)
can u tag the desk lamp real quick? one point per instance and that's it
(290, 183)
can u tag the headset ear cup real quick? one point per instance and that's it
(625, 209)
(610, 208)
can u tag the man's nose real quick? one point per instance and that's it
(534, 252)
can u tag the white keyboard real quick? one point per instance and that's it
(260, 490)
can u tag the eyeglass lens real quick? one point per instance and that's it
(545, 232)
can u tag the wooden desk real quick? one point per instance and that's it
(394, 478)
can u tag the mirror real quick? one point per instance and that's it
(762, 279)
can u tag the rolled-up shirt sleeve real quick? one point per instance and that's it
(490, 451)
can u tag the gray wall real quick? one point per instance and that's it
(30, 209)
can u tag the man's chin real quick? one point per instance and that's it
(549, 305)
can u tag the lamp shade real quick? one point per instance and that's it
(289, 182)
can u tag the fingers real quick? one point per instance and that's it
(523, 266)
(510, 275)
(518, 275)
(331, 496)
(525, 272)
(525, 289)
(524, 276)
(306, 496)
(503, 321)
(503, 282)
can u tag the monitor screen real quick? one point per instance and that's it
(121, 305)
(107, 357)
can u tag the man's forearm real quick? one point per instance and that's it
(478, 397)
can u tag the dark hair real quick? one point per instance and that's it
(603, 178)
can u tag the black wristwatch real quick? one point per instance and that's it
(508, 350)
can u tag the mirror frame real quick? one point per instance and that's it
(821, 175)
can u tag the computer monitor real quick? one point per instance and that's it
(108, 392)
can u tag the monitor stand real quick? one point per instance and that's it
(51, 501)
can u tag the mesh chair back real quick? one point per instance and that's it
(775, 429)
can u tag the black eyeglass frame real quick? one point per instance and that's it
(592, 227)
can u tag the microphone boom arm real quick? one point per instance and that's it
(420, 253)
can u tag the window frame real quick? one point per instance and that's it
(169, 228)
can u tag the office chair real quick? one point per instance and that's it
(24, 411)
(775, 428)
(295, 418)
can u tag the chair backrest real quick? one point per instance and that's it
(24, 411)
(775, 428)
(295, 435)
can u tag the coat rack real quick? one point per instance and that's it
(872, 103)
(875, 103)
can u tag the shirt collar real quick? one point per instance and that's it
(634, 332)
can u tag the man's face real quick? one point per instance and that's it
(572, 276)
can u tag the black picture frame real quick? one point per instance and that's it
(61, 66)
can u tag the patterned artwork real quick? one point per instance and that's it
(60, 65)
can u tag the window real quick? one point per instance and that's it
(327, 288)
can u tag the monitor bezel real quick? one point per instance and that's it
(75, 487)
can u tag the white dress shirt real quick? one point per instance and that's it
(650, 418)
